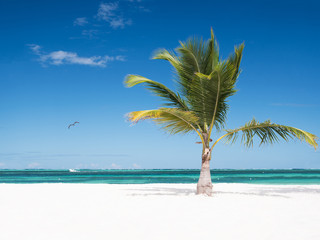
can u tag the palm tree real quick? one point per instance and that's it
(204, 84)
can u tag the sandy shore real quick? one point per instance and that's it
(158, 211)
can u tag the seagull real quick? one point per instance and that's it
(73, 124)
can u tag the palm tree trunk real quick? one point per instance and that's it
(204, 185)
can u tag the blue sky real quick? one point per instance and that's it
(65, 61)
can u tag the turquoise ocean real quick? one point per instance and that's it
(261, 176)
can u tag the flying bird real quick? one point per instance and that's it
(73, 124)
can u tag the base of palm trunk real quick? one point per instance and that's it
(205, 189)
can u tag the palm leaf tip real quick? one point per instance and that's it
(137, 116)
(270, 133)
(302, 135)
(130, 80)
(170, 97)
(172, 120)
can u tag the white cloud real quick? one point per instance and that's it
(35, 48)
(80, 21)
(120, 58)
(115, 166)
(2, 164)
(119, 23)
(110, 13)
(90, 33)
(33, 165)
(63, 57)
(136, 166)
(106, 11)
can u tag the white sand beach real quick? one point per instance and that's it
(158, 211)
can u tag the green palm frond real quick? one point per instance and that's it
(235, 59)
(204, 82)
(211, 57)
(172, 120)
(191, 53)
(268, 132)
(209, 94)
(226, 74)
(184, 73)
(164, 54)
(171, 98)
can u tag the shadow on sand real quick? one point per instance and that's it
(256, 190)
(162, 191)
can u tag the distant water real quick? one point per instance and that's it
(295, 176)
